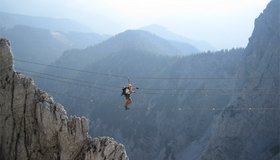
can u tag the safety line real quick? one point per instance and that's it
(132, 77)
(71, 69)
(148, 89)
(204, 94)
(78, 84)
(66, 78)
(149, 93)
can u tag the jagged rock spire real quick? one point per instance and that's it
(6, 58)
(33, 126)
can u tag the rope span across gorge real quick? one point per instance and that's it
(95, 85)
(110, 88)
(217, 77)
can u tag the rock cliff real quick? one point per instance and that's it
(249, 128)
(33, 126)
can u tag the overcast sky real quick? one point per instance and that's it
(222, 23)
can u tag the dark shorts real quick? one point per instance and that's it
(127, 96)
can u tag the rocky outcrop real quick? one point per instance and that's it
(249, 128)
(33, 126)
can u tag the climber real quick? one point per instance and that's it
(126, 91)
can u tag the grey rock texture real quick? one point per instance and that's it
(253, 134)
(33, 126)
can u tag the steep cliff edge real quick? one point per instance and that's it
(33, 126)
(249, 128)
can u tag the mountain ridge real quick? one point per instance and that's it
(9, 20)
(166, 34)
(138, 40)
(132, 40)
(45, 46)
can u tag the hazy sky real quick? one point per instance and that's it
(223, 23)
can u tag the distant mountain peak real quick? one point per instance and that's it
(169, 35)
(134, 32)
(147, 41)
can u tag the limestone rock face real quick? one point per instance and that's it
(253, 133)
(33, 126)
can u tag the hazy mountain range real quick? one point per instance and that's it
(45, 46)
(9, 20)
(45, 39)
(164, 33)
(221, 105)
